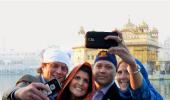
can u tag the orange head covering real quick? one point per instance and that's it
(62, 95)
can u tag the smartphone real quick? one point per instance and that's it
(54, 86)
(94, 39)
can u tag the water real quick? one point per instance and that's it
(8, 81)
(9, 78)
(163, 86)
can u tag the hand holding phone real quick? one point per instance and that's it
(96, 40)
(54, 86)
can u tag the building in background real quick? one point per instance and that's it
(141, 40)
(80, 53)
(164, 57)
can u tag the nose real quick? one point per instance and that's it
(80, 82)
(123, 75)
(102, 69)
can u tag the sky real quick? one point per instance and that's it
(37, 24)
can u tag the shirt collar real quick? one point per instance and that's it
(42, 79)
(106, 88)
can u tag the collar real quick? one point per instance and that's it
(42, 79)
(106, 88)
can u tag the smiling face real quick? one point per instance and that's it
(79, 84)
(104, 72)
(55, 70)
(122, 76)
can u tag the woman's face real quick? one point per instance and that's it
(122, 76)
(79, 84)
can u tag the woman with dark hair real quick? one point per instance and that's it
(79, 84)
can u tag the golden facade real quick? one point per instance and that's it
(141, 40)
(81, 54)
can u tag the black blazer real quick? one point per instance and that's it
(113, 94)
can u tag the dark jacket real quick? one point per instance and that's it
(113, 94)
(22, 82)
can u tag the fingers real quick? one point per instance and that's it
(38, 95)
(32, 92)
(121, 50)
(40, 86)
(119, 33)
(37, 87)
(116, 38)
(116, 50)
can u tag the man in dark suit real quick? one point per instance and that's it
(54, 65)
(104, 72)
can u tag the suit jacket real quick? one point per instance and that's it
(22, 82)
(114, 94)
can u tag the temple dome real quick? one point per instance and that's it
(129, 25)
(144, 25)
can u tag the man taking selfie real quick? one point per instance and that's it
(54, 65)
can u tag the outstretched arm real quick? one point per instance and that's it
(122, 51)
(26, 89)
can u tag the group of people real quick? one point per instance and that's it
(107, 79)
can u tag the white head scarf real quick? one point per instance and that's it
(56, 55)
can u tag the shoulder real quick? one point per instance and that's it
(28, 78)
(112, 90)
(113, 87)
(22, 82)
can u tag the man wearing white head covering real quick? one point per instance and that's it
(56, 55)
(54, 59)
(55, 64)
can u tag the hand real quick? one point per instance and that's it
(121, 50)
(31, 92)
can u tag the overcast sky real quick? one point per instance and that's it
(36, 24)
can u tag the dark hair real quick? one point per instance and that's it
(67, 94)
(88, 70)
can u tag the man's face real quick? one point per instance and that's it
(122, 76)
(104, 72)
(56, 70)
